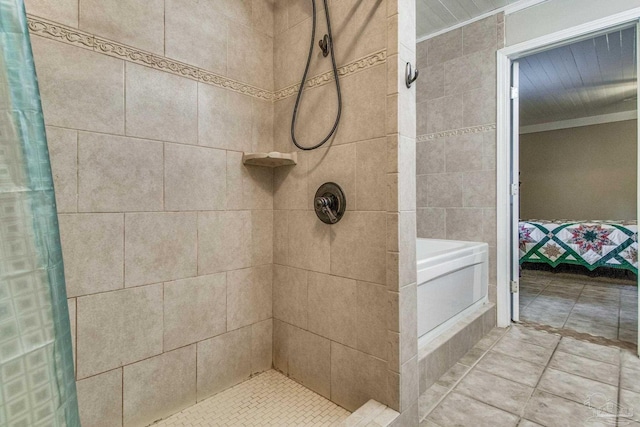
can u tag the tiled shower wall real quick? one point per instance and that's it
(456, 148)
(337, 289)
(167, 237)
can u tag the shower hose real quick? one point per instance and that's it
(304, 79)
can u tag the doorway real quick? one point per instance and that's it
(548, 286)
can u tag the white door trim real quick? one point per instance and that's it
(503, 129)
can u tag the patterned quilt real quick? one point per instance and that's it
(591, 244)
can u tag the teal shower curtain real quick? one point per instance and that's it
(37, 386)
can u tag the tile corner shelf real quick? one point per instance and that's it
(273, 159)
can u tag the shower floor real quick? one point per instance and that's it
(268, 399)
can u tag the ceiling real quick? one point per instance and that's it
(593, 77)
(436, 15)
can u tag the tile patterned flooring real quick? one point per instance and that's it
(523, 377)
(581, 304)
(268, 399)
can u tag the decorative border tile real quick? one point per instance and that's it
(456, 132)
(361, 64)
(54, 31)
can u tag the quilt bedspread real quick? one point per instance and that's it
(591, 244)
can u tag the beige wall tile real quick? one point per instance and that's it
(430, 85)
(262, 121)
(250, 56)
(463, 153)
(489, 226)
(223, 362)
(194, 309)
(309, 360)
(282, 112)
(431, 223)
(100, 399)
(280, 16)
(281, 346)
(261, 346)
(290, 185)
(118, 328)
(430, 156)
(335, 164)
(463, 224)
(117, 174)
(364, 116)
(290, 288)
(196, 33)
(444, 190)
(352, 22)
(480, 189)
(408, 322)
(281, 237)
(236, 10)
(291, 46)
(358, 246)
(422, 190)
(331, 308)
(63, 153)
(158, 387)
(263, 15)
(224, 118)
(309, 242)
(159, 247)
(64, 12)
(356, 377)
(249, 296)
(71, 80)
(470, 72)
(441, 114)
(480, 35)
(262, 237)
(224, 241)
(372, 314)
(371, 177)
(93, 250)
(248, 187)
(161, 105)
(480, 106)
(315, 118)
(195, 178)
(407, 176)
(135, 23)
(409, 376)
(444, 47)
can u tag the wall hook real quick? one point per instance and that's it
(410, 76)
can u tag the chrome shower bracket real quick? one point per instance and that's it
(330, 203)
(410, 76)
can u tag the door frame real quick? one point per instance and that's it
(503, 132)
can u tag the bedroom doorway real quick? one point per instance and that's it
(570, 214)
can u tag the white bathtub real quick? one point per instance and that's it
(452, 281)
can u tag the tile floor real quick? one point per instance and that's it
(581, 304)
(268, 399)
(523, 377)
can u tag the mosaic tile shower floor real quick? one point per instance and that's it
(268, 399)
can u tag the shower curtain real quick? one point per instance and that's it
(37, 386)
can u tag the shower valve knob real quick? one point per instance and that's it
(329, 203)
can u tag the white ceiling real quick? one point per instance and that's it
(593, 77)
(436, 15)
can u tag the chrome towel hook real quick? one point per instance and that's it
(410, 76)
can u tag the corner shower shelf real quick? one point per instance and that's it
(273, 159)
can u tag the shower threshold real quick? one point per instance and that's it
(268, 399)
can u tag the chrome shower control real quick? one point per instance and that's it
(330, 203)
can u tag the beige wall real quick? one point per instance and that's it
(456, 148)
(337, 289)
(579, 173)
(173, 250)
(166, 236)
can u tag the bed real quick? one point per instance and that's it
(591, 244)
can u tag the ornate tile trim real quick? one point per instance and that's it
(456, 132)
(54, 31)
(358, 65)
(75, 37)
